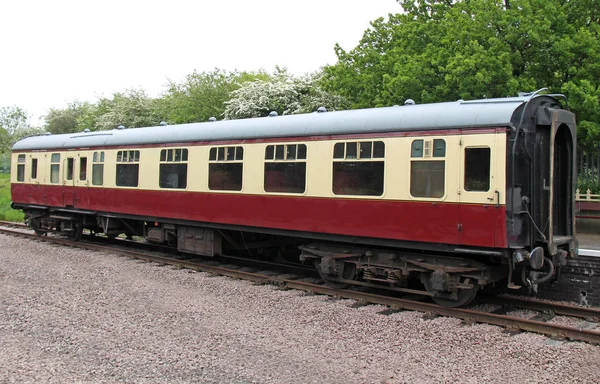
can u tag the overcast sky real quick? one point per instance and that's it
(57, 51)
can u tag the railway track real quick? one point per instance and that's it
(500, 317)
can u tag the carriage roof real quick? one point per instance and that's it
(423, 117)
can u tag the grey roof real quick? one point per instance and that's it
(450, 115)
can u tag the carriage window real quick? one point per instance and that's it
(428, 175)
(285, 168)
(477, 169)
(128, 168)
(355, 170)
(173, 168)
(98, 168)
(55, 168)
(70, 166)
(21, 168)
(225, 168)
(34, 168)
(83, 168)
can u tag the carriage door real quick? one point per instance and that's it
(69, 182)
(562, 180)
(479, 199)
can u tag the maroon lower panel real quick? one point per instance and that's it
(467, 224)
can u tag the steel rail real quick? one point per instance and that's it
(469, 315)
(588, 313)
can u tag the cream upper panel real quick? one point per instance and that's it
(319, 168)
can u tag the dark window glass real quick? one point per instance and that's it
(378, 150)
(285, 177)
(95, 157)
(98, 174)
(301, 154)
(230, 153)
(416, 148)
(213, 154)
(338, 151)
(221, 154)
(270, 152)
(119, 156)
(21, 168)
(477, 169)
(184, 155)
(291, 152)
(55, 168)
(163, 155)
(279, 152)
(177, 155)
(173, 176)
(54, 173)
(170, 155)
(239, 153)
(102, 157)
(427, 178)
(366, 150)
(34, 168)
(439, 148)
(225, 176)
(70, 164)
(364, 178)
(83, 168)
(351, 150)
(21, 172)
(127, 175)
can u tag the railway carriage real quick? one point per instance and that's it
(460, 196)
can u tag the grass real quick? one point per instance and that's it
(6, 212)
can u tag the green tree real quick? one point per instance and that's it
(70, 119)
(441, 50)
(202, 95)
(14, 125)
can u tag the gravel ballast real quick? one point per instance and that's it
(69, 315)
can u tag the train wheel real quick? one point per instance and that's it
(464, 296)
(37, 227)
(77, 231)
(349, 273)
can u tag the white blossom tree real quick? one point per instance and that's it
(284, 94)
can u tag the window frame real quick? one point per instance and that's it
(98, 163)
(358, 152)
(34, 168)
(172, 157)
(132, 159)
(281, 155)
(489, 169)
(418, 155)
(21, 162)
(223, 156)
(55, 162)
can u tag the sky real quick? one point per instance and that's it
(58, 51)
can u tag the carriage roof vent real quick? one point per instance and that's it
(48, 133)
(460, 101)
(322, 109)
(273, 114)
(163, 124)
(87, 130)
(212, 118)
(121, 127)
(409, 102)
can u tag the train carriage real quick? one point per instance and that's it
(461, 195)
